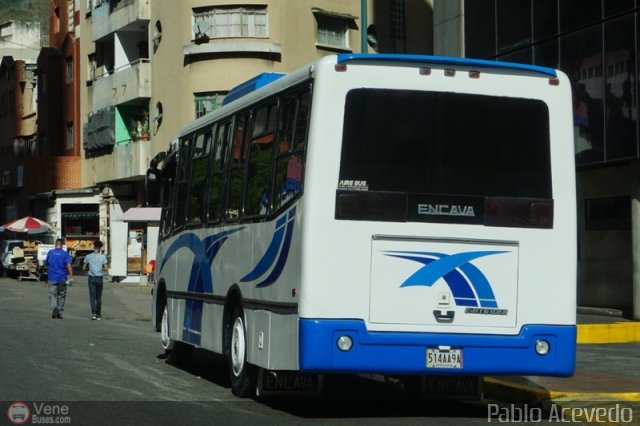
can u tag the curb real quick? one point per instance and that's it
(520, 393)
(518, 389)
(615, 332)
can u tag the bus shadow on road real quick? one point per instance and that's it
(350, 396)
(343, 396)
(202, 363)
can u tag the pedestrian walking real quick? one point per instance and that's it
(96, 263)
(59, 275)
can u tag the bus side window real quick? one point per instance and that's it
(258, 196)
(238, 156)
(199, 173)
(216, 186)
(294, 121)
(167, 198)
(182, 181)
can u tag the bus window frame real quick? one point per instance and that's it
(297, 93)
(273, 107)
(208, 134)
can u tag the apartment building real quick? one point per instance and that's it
(151, 66)
(19, 47)
(17, 133)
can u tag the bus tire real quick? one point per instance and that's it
(240, 372)
(175, 352)
(167, 342)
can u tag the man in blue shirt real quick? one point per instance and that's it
(59, 274)
(96, 262)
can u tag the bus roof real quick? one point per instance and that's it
(443, 60)
(266, 83)
(250, 85)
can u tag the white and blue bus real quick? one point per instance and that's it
(380, 214)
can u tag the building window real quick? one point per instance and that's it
(582, 60)
(70, 142)
(398, 26)
(333, 29)
(69, 70)
(91, 67)
(56, 20)
(157, 36)
(605, 214)
(221, 22)
(70, 12)
(514, 29)
(480, 28)
(157, 117)
(206, 102)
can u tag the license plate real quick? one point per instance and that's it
(444, 358)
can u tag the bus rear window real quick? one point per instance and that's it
(445, 143)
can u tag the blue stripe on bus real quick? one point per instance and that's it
(405, 353)
(200, 275)
(284, 253)
(444, 60)
(451, 269)
(480, 284)
(270, 255)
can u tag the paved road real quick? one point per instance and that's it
(113, 372)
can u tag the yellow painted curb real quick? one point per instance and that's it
(540, 393)
(615, 332)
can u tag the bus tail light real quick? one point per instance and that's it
(519, 212)
(340, 67)
(554, 82)
(474, 74)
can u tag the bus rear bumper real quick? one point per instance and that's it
(406, 353)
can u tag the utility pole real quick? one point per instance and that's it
(363, 26)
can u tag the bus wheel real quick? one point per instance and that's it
(240, 371)
(176, 352)
(167, 342)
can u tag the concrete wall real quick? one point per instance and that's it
(448, 27)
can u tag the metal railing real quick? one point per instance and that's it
(103, 73)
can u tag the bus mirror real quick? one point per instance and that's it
(152, 187)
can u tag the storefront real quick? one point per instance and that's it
(80, 229)
(134, 240)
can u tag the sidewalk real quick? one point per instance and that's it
(607, 372)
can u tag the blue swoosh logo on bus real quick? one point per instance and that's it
(269, 256)
(200, 277)
(467, 283)
(276, 254)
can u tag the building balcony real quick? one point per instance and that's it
(124, 84)
(238, 47)
(128, 161)
(127, 15)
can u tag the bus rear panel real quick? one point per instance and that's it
(438, 220)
